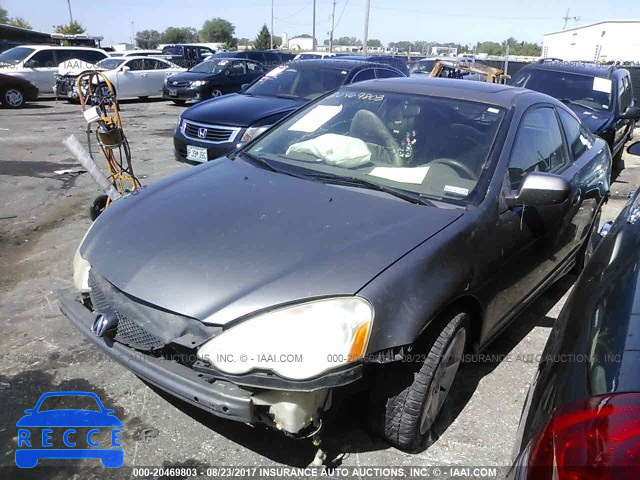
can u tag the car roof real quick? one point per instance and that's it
(580, 68)
(494, 93)
(337, 62)
(138, 57)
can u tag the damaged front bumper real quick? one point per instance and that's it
(293, 407)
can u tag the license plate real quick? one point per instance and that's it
(173, 92)
(196, 154)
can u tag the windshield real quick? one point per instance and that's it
(110, 63)
(585, 90)
(296, 82)
(423, 66)
(434, 147)
(212, 66)
(175, 50)
(15, 55)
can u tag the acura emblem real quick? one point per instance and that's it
(202, 132)
(103, 323)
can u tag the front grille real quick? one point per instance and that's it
(142, 326)
(135, 336)
(179, 84)
(210, 133)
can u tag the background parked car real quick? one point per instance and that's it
(39, 63)
(268, 58)
(425, 66)
(377, 232)
(131, 76)
(313, 55)
(211, 78)
(581, 418)
(16, 91)
(215, 127)
(186, 55)
(395, 62)
(135, 53)
(602, 96)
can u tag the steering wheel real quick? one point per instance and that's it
(458, 166)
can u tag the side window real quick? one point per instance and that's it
(626, 95)
(43, 59)
(386, 73)
(362, 75)
(271, 59)
(254, 67)
(94, 57)
(256, 57)
(154, 64)
(538, 147)
(64, 55)
(577, 138)
(135, 65)
(238, 67)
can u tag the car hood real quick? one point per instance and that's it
(225, 239)
(69, 418)
(239, 110)
(594, 120)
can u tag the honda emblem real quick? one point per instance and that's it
(202, 133)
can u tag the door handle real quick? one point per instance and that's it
(143, 74)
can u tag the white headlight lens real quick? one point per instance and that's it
(199, 83)
(295, 342)
(253, 132)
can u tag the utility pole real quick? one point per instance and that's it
(566, 18)
(70, 14)
(271, 24)
(333, 25)
(314, 26)
(133, 35)
(366, 27)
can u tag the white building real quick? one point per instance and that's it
(298, 43)
(612, 40)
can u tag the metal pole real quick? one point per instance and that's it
(314, 25)
(333, 25)
(70, 14)
(366, 28)
(133, 35)
(271, 24)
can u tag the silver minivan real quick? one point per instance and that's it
(39, 63)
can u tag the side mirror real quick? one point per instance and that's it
(126, 69)
(539, 189)
(227, 72)
(631, 113)
(30, 64)
(244, 86)
(634, 149)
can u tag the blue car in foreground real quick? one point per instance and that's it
(79, 430)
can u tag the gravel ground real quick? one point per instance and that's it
(43, 215)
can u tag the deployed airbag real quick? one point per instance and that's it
(333, 149)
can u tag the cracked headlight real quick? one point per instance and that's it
(296, 342)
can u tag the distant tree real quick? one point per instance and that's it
(4, 15)
(230, 44)
(326, 42)
(217, 30)
(490, 48)
(374, 42)
(245, 42)
(263, 40)
(147, 39)
(179, 35)
(73, 28)
(402, 46)
(19, 22)
(347, 41)
(277, 41)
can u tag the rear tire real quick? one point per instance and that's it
(12, 97)
(405, 403)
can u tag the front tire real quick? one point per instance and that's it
(407, 401)
(13, 98)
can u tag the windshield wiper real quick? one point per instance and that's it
(362, 183)
(288, 96)
(568, 101)
(261, 162)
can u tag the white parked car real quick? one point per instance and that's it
(136, 53)
(131, 77)
(39, 63)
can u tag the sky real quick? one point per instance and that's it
(462, 21)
